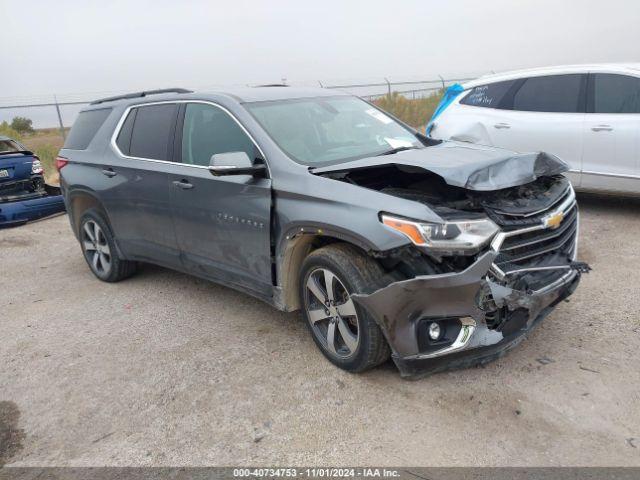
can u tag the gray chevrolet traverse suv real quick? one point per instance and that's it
(438, 254)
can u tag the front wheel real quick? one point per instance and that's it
(345, 332)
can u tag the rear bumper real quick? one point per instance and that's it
(460, 302)
(22, 211)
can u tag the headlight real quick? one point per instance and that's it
(445, 237)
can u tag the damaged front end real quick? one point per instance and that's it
(457, 309)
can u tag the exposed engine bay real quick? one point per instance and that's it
(450, 202)
(512, 209)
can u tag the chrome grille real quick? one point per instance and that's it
(538, 246)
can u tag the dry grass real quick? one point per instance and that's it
(416, 112)
(44, 137)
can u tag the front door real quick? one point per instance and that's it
(611, 160)
(222, 224)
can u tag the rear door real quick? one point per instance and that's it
(137, 195)
(611, 159)
(545, 114)
(222, 223)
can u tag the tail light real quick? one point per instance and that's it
(61, 162)
(36, 166)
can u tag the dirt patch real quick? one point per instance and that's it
(11, 436)
(212, 396)
(15, 242)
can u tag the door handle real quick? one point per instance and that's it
(602, 128)
(183, 184)
(502, 125)
(109, 172)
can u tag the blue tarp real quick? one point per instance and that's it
(449, 96)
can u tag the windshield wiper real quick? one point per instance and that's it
(396, 150)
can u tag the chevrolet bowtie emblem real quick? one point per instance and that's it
(554, 221)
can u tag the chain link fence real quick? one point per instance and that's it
(62, 110)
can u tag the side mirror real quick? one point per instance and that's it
(234, 163)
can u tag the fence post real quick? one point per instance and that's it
(388, 86)
(64, 136)
(442, 79)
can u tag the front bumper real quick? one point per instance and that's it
(401, 307)
(19, 212)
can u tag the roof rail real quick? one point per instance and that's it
(141, 94)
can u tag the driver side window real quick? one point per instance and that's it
(208, 130)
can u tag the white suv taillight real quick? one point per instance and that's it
(61, 162)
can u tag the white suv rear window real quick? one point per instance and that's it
(487, 95)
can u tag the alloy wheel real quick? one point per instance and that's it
(332, 313)
(96, 248)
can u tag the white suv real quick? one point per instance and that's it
(588, 115)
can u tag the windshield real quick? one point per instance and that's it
(326, 130)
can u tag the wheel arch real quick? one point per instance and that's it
(292, 251)
(79, 202)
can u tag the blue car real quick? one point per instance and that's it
(24, 195)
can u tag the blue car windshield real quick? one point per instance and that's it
(328, 130)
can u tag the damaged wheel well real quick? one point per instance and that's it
(292, 255)
(396, 265)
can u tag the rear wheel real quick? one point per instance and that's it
(99, 250)
(345, 333)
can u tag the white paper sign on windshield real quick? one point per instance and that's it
(398, 142)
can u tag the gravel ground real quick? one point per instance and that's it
(166, 369)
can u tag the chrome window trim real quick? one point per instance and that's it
(116, 132)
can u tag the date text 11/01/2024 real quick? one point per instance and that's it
(315, 473)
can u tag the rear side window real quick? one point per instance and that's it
(124, 136)
(553, 93)
(85, 128)
(152, 133)
(489, 95)
(615, 93)
(208, 130)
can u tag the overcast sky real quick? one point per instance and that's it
(90, 48)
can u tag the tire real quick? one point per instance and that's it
(99, 249)
(350, 271)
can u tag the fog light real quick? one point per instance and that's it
(434, 331)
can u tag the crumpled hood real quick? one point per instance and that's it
(474, 167)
